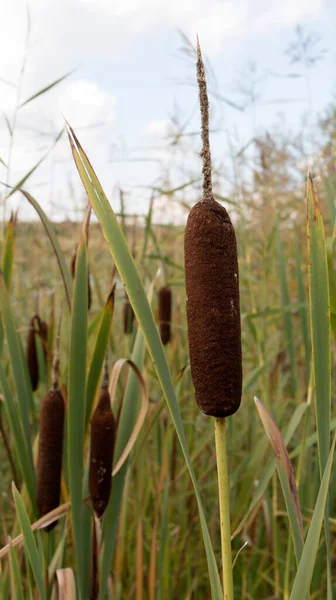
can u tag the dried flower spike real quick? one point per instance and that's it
(212, 289)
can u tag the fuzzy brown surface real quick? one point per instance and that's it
(128, 317)
(73, 270)
(165, 309)
(36, 327)
(103, 432)
(213, 312)
(49, 462)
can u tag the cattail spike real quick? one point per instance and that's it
(212, 291)
(204, 105)
(49, 461)
(165, 309)
(103, 434)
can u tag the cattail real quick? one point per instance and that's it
(212, 289)
(49, 462)
(103, 433)
(73, 270)
(36, 327)
(128, 315)
(165, 308)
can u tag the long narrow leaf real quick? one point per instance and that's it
(77, 401)
(136, 294)
(306, 567)
(30, 544)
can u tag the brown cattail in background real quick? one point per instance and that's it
(73, 270)
(36, 327)
(49, 461)
(165, 309)
(212, 289)
(128, 316)
(103, 433)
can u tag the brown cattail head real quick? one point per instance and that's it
(36, 327)
(49, 462)
(212, 288)
(73, 271)
(128, 315)
(165, 309)
(103, 433)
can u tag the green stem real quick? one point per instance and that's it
(224, 506)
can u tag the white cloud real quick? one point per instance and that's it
(84, 104)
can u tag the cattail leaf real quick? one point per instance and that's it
(8, 253)
(330, 245)
(306, 566)
(266, 474)
(65, 273)
(19, 368)
(319, 298)
(77, 403)
(302, 311)
(66, 586)
(30, 546)
(99, 353)
(15, 575)
(286, 476)
(46, 88)
(23, 180)
(134, 288)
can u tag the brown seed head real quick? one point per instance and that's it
(212, 288)
(213, 312)
(165, 308)
(103, 433)
(49, 462)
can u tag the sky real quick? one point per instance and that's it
(132, 88)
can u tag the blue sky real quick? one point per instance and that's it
(131, 78)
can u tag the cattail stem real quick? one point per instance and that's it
(224, 506)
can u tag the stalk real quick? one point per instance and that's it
(224, 507)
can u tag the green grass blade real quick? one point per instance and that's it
(15, 576)
(23, 180)
(306, 567)
(99, 354)
(330, 245)
(286, 476)
(46, 88)
(30, 544)
(65, 273)
(136, 293)
(320, 335)
(77, 402)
